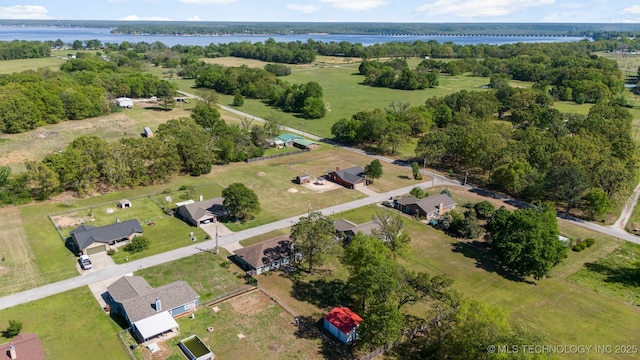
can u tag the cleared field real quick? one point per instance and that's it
(36, 144)
(557, 308)
(18, 267)
(70, 325)
(13, 66)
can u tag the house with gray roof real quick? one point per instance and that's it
(202, 212)
(429, 207)
(346, 229)
(350, 178)
(151, 312)
(91, 240)
(267, 255)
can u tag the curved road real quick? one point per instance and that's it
(120, 270)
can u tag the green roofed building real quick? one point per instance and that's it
(305, 144)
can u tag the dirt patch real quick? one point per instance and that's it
(161, 354)
(65, 221)
(292, 190)
(261, 174)
(251, 303)
(321, 185)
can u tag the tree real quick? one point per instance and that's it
(597, 203)
(391, 232)
(313, 108)
(373, 170)
(484, 209)
(415, 169)
(42, 181)
(14, 328)
(313, 236)
(526, 241)
(418, 193)
(382, 324)
(238, 99)
(372, 270)
(165, 92)
(207, 116)
(241, 202)
(138, 244)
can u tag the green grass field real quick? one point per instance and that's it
(70, 324)
(616, 274)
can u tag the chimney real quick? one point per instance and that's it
(158, 305)
(201, 198)
(338, 168)
(441, 209)
(117, 220)
(12, 352)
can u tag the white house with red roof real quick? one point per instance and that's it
(343, 324)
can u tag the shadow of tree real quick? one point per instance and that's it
(481, 253)
(623, 275)
(310, 328)
(321, 292)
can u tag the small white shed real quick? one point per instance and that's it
(124, 102)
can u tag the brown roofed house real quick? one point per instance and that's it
(350, 178)
(429, 207)
(25, 346)
(202, 212)
(267, 255)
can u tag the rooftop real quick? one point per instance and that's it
(266, 252)
(86, 235)
(27, 347)
(344, 319)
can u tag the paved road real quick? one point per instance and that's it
(209, 245)
(120, 270)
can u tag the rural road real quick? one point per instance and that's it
(208, 245)
(616, 230)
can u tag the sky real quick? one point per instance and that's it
(420, 11)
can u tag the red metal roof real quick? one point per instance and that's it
(344, 319)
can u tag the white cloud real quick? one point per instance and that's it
(146, 18)
(635, 9)
(207, 2)
(305, 9)
(24, 12)
(194, 18)
(355, 4)
(478, 8)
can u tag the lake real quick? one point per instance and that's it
(69, 35)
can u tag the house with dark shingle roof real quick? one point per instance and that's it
(91, 240)
(267, 255)
(429, 207)
(343, 324)
(346, 229)
(350, 178)
(149, 311)
(202, 212)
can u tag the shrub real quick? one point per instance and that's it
(589, 241)
(111, 252)
(576, 248)
(138, 244)
(14, 328)
(225, 264)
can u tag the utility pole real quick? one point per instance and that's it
(308, 209)
(217, 237)
(466, 173)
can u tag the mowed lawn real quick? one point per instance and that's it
(557, 308)
(70, 325)
(20, 65)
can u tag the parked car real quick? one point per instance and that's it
(85, 262)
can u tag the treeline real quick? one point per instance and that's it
(82, 89)
(541, 155)
(305, 99)
(396, 74)
(179, 146)
(214, 28)
(21, 49)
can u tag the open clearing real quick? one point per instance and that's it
(45, 140)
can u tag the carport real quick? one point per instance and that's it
(155, 325)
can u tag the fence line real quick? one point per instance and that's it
(124, 343)
(230, 294)
(277, 300)
(277, 155)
